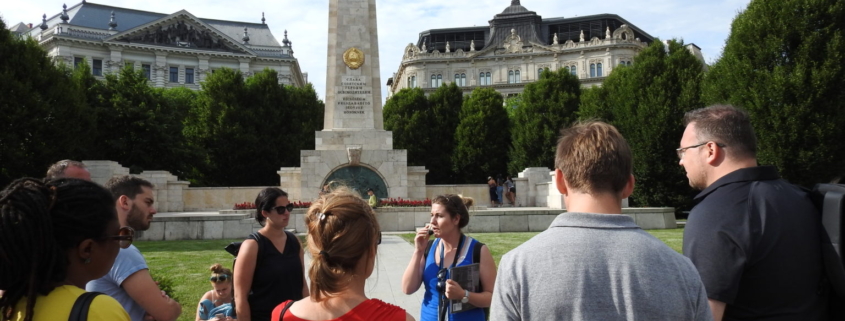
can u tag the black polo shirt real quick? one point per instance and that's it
(755, 240)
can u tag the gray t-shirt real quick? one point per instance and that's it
(597, 267)
(128, 262)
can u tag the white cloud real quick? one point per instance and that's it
(705, 23)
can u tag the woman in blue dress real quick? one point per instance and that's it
(216, 305)
(431, 265)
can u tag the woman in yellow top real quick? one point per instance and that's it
(54, 238)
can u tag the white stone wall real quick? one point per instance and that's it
(317, 165)
(480, 193)
(416, 182)
(290, 181)
(218, 198)
(103, 170)
(535, 176)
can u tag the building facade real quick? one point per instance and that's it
(515, 48)
(172, 50)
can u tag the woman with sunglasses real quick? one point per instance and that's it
(343, 237)
(431, 264)
(54, 238)
(269, 269)
(216, 305)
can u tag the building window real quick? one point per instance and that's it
(433, 81)
(510, 76)
(76, 62)
(516, 78)
(574, 72)
(489, 79)
(481, 79)
(592, 70)
(540, 72)
(458, 79)
(463, 80)
(413, 81)
(146, 69)
(439, 80)
(189, 75)
(174, 74)
(598, 69)
(97, 68)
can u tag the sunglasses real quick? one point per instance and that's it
(441, 280)
(281, 209)
(124, 236)
(219, 278)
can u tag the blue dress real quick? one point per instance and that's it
(431, 299)
(208, 310)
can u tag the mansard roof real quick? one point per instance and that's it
(97, 16)
(530, 26)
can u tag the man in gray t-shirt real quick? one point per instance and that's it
(593, 263)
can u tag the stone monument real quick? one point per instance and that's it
(353, 148)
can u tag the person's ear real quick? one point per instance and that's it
(84, 249)
(629, 187)
(124, 202)
(560, 182)
(715, 154)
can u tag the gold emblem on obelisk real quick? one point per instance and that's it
(353, 58)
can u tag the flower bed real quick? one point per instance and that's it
(399, 202)
(251, 205)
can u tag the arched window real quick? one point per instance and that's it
(574, 72)
(439, 80)
(463, 80)
(598, 69)
(629, 63)
(539, 73)
(489, 79)
(510, 76)
(567, 69)
(433, 81)
(413, 81)
(516, 78)
(481, 79)
(592, 70)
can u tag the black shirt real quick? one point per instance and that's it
(755, 240)
(277, 278)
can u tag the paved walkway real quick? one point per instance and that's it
(386, 282)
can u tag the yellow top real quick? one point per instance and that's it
(56, 306)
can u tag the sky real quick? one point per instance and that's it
(705, 23)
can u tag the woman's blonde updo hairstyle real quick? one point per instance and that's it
(342, 230)
(456, 205)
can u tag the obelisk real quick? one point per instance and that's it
(353, 84)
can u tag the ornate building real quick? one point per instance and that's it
(516, 47)
(176, 49)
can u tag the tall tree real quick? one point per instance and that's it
(482, 137)
(407, 114)
(783, 63)
(444, 116)
(44, 116)
(646, 102)
(545, 107)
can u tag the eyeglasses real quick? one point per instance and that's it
(219, 278)
(681, 150)
(281, 209)
(124, 236)
(441, 280)
(379, 238)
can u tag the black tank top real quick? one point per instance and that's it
(277, 277)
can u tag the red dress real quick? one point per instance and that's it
(372, 309)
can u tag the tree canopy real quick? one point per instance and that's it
(482, 137)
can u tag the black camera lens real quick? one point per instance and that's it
(441, 280)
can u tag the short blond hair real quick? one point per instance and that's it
(594, 157)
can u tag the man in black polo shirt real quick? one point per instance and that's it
(753, 237)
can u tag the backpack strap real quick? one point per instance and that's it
(428, 248)
(79, 312)
(476, 252)
(282, 308)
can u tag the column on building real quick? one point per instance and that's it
(202, 69)
(116, 59)
(244, 66)
(161, 69)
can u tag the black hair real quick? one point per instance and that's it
(127, 185)
(39, 223)
(265, 201)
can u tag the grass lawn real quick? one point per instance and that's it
(185, 263)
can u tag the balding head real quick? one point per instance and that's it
(68, 169)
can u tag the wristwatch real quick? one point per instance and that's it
(465, 299)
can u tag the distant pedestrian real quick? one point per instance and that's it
(373, 201)
(491, 184)
(593, 263)
(510, 191)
